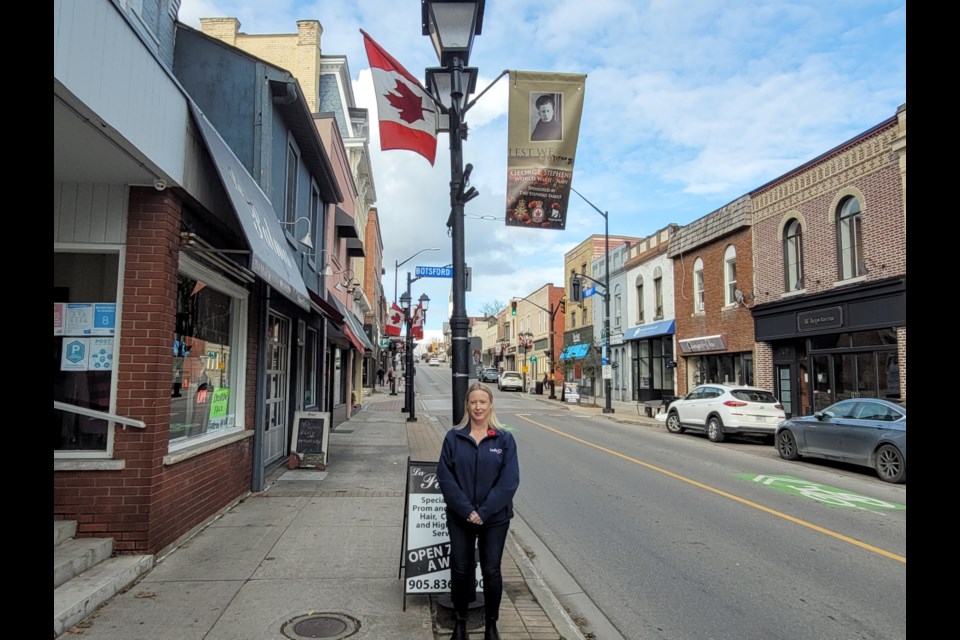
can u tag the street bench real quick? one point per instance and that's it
(652, 407)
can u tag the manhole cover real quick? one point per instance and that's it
(331, 626)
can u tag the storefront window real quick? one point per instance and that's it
(84, 359)
(206, 368)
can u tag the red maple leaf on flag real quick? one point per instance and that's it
(409, 104)
(395, 318)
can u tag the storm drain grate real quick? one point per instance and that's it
(332, 626)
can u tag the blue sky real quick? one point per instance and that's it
(689, 105)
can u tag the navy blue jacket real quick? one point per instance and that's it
(479, 477)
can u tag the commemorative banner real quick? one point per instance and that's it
(426, 554)
(542, 131)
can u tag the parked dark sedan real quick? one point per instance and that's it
(867, 431)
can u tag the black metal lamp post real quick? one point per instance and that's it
(524, 336)
(452, 26)
(409, 394)
(607, 390)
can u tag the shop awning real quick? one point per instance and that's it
(352, 327)
(575, 351)
(345, 224)
(664, 327)
(270, 257)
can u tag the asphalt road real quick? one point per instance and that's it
(675, 537)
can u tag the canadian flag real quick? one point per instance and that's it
(417, 329)
(394, 321)
(406, 111)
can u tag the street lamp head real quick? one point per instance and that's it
(451, 25)
(405, 301)
(440, 84)
(424, 301)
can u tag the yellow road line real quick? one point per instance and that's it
(802, 523)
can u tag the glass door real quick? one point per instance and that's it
(276, 403)
(784, 389)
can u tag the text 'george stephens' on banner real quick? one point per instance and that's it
(542, 131)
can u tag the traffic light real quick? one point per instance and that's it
(513, 307)
(575, 292)
(563, 305)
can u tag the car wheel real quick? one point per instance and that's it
(714, 429)
(787, 445)
(673, 423)
(890, 465)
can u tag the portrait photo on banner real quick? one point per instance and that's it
(546, 116)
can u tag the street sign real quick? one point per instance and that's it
(671, 364)
(589, 291)
(607, 372)
(533, 358)
(434, 272)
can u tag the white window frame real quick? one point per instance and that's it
(699, 296)
(639, 288)
(121, 253)
(657, 294)
(238, 347)
(730, 276)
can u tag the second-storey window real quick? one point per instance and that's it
(730, 276)
(698, 295)
(639, 299)
(657, 293)
(617, 306)
(850, 239)
(793, 256)
(290, 196)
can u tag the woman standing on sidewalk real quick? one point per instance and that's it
(479, 474)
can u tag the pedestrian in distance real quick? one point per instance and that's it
(479, 474)
(380, 376)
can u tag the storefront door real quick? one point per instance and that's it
(276, 403)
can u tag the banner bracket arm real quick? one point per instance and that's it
(480, 95)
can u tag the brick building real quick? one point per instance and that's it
(830, 241)
(713, 286)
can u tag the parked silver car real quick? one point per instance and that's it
(871, 432)
(721, 409)
(489, 375)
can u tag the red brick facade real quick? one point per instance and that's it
(717, 318)
(147, 505)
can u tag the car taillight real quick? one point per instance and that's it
(778, 406)
(735, 403)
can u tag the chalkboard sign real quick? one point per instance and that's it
(311, 437)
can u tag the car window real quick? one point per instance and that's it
(754, 395)
(712, 392)
(693, 395)
(843, 410)
(876, 411)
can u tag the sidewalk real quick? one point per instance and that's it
(317, 555)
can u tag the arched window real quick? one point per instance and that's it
(793, 256)
(849, 239)
(698, 296)
(657, 294)
(639, 299)
(730, 276)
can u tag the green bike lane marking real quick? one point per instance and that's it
(825, 494)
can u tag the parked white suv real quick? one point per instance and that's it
(719, 409)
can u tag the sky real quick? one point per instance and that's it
(688, 106)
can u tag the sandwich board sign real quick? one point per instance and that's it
(426, 548)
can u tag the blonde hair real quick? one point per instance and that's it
(477, 386)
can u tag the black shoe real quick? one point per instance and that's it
(490, 631)
(459, 629)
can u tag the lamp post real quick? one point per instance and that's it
(525, 337)
(409, 394)
(397, 265)
(451, 27)
(607, 391)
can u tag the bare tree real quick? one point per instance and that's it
(492, 308)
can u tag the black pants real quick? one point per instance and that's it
(489, 542)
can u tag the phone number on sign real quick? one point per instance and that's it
(437, 584)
